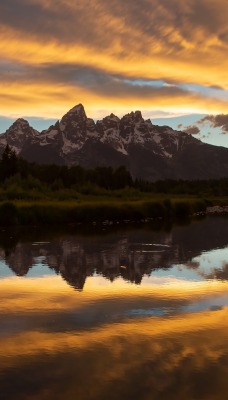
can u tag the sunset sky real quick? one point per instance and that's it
(167, 58)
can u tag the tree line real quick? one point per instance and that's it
(56, 177)
(59, 176)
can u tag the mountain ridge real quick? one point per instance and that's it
(148, 151)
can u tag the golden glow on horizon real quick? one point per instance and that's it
(49, 101)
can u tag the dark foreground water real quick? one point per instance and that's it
(138, 314)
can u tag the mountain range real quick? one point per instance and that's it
(148, 151)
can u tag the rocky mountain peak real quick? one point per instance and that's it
(149, 122)
(18, 134)
(132, 127)
(78, 109)
(113, 117)
(133, 117)
(21, 121)
(20, 127)
(138, 116)
(111, 121)
(76, 114)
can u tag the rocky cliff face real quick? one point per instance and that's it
(149, 151)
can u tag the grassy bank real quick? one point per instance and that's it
(96, 210)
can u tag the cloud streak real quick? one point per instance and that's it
(192, 129)
(216, 121)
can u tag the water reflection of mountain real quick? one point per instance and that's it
(130, 255)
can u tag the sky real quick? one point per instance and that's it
(167, 58)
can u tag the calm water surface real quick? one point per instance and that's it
(131, 314)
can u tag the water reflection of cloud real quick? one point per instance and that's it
(212, 264)
(38, 301)
(162, 358)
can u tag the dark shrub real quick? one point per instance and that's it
(182, 209)
(8, 214)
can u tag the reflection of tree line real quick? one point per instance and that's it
(130, 256)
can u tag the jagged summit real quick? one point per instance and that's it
(113, 117)
(149, 151)
(79, 108)
(76, 113)
(135, 116)
(18, 135)
(20, 124)
(21, 121)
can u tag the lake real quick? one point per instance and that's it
(115, 313)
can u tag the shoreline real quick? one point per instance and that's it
(106, 212)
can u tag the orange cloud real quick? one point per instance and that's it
(173, 41)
